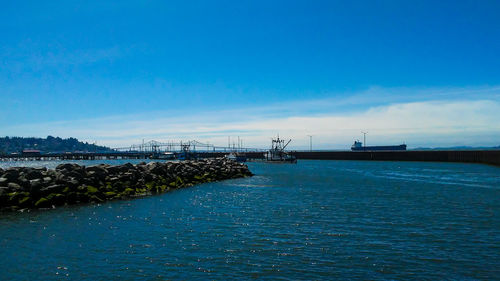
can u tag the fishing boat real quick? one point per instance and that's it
(238, 157)
(165, 156)
(186, 153)
(277, 152)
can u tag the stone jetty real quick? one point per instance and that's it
(34, 188)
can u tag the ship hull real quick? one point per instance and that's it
(380, 148)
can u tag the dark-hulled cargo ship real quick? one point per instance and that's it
(358, 146)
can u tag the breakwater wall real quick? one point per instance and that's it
(491, 157)
(25, 187)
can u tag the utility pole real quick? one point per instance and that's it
(310, 142)
(364, 139)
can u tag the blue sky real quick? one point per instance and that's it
(119, 72)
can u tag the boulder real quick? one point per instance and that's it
(56, 199)
(71, 198)
(96, 175)
(71, 183)
(34, 174)
(25, 202)
(11, 174)
(4, 181)
(42, 203)
(47, 179)
(24, 182)
(36, 184)
(66, 166)
(14, 186)
(55, 188)
(96, 169)
(75, 174)
(126, 167)
(98, 172)
(4, 191)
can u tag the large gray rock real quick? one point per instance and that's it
(11, 174)
(3, 190)
(75, 174)
(71, 183)
(14, 186)
(96, 169)
(55, 188)
(47, 180)
(4, 181)
(34, 174)
(24, 182)
(65, 166)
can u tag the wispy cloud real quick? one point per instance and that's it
(429, 117)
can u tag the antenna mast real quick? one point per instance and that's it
(364, 139)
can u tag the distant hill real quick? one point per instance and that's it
(49, 144)
(459, 148)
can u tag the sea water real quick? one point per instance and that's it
(306, 221)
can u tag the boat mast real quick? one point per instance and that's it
(364, 139)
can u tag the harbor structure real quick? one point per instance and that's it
(277, 152)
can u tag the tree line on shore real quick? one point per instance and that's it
(50, 144)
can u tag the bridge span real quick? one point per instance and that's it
(193, 145)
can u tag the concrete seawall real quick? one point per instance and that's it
(491, 157)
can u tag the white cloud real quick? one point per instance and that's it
(427, 123)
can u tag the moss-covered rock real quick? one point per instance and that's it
(95, 199)
(56, 199)
(92, 189)
(71, 198)
(128, 191)
(110, 194)
(71, 183)
(25, 202)
(42, 203)
(150, 185)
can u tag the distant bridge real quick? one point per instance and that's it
(193, 146)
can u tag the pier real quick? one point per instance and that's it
(199, 150)
(147, 150)
(491, 157)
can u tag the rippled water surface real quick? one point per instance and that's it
(313, 220)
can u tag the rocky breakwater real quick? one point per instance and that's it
(31, 188)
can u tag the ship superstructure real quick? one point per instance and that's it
(358, 146)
